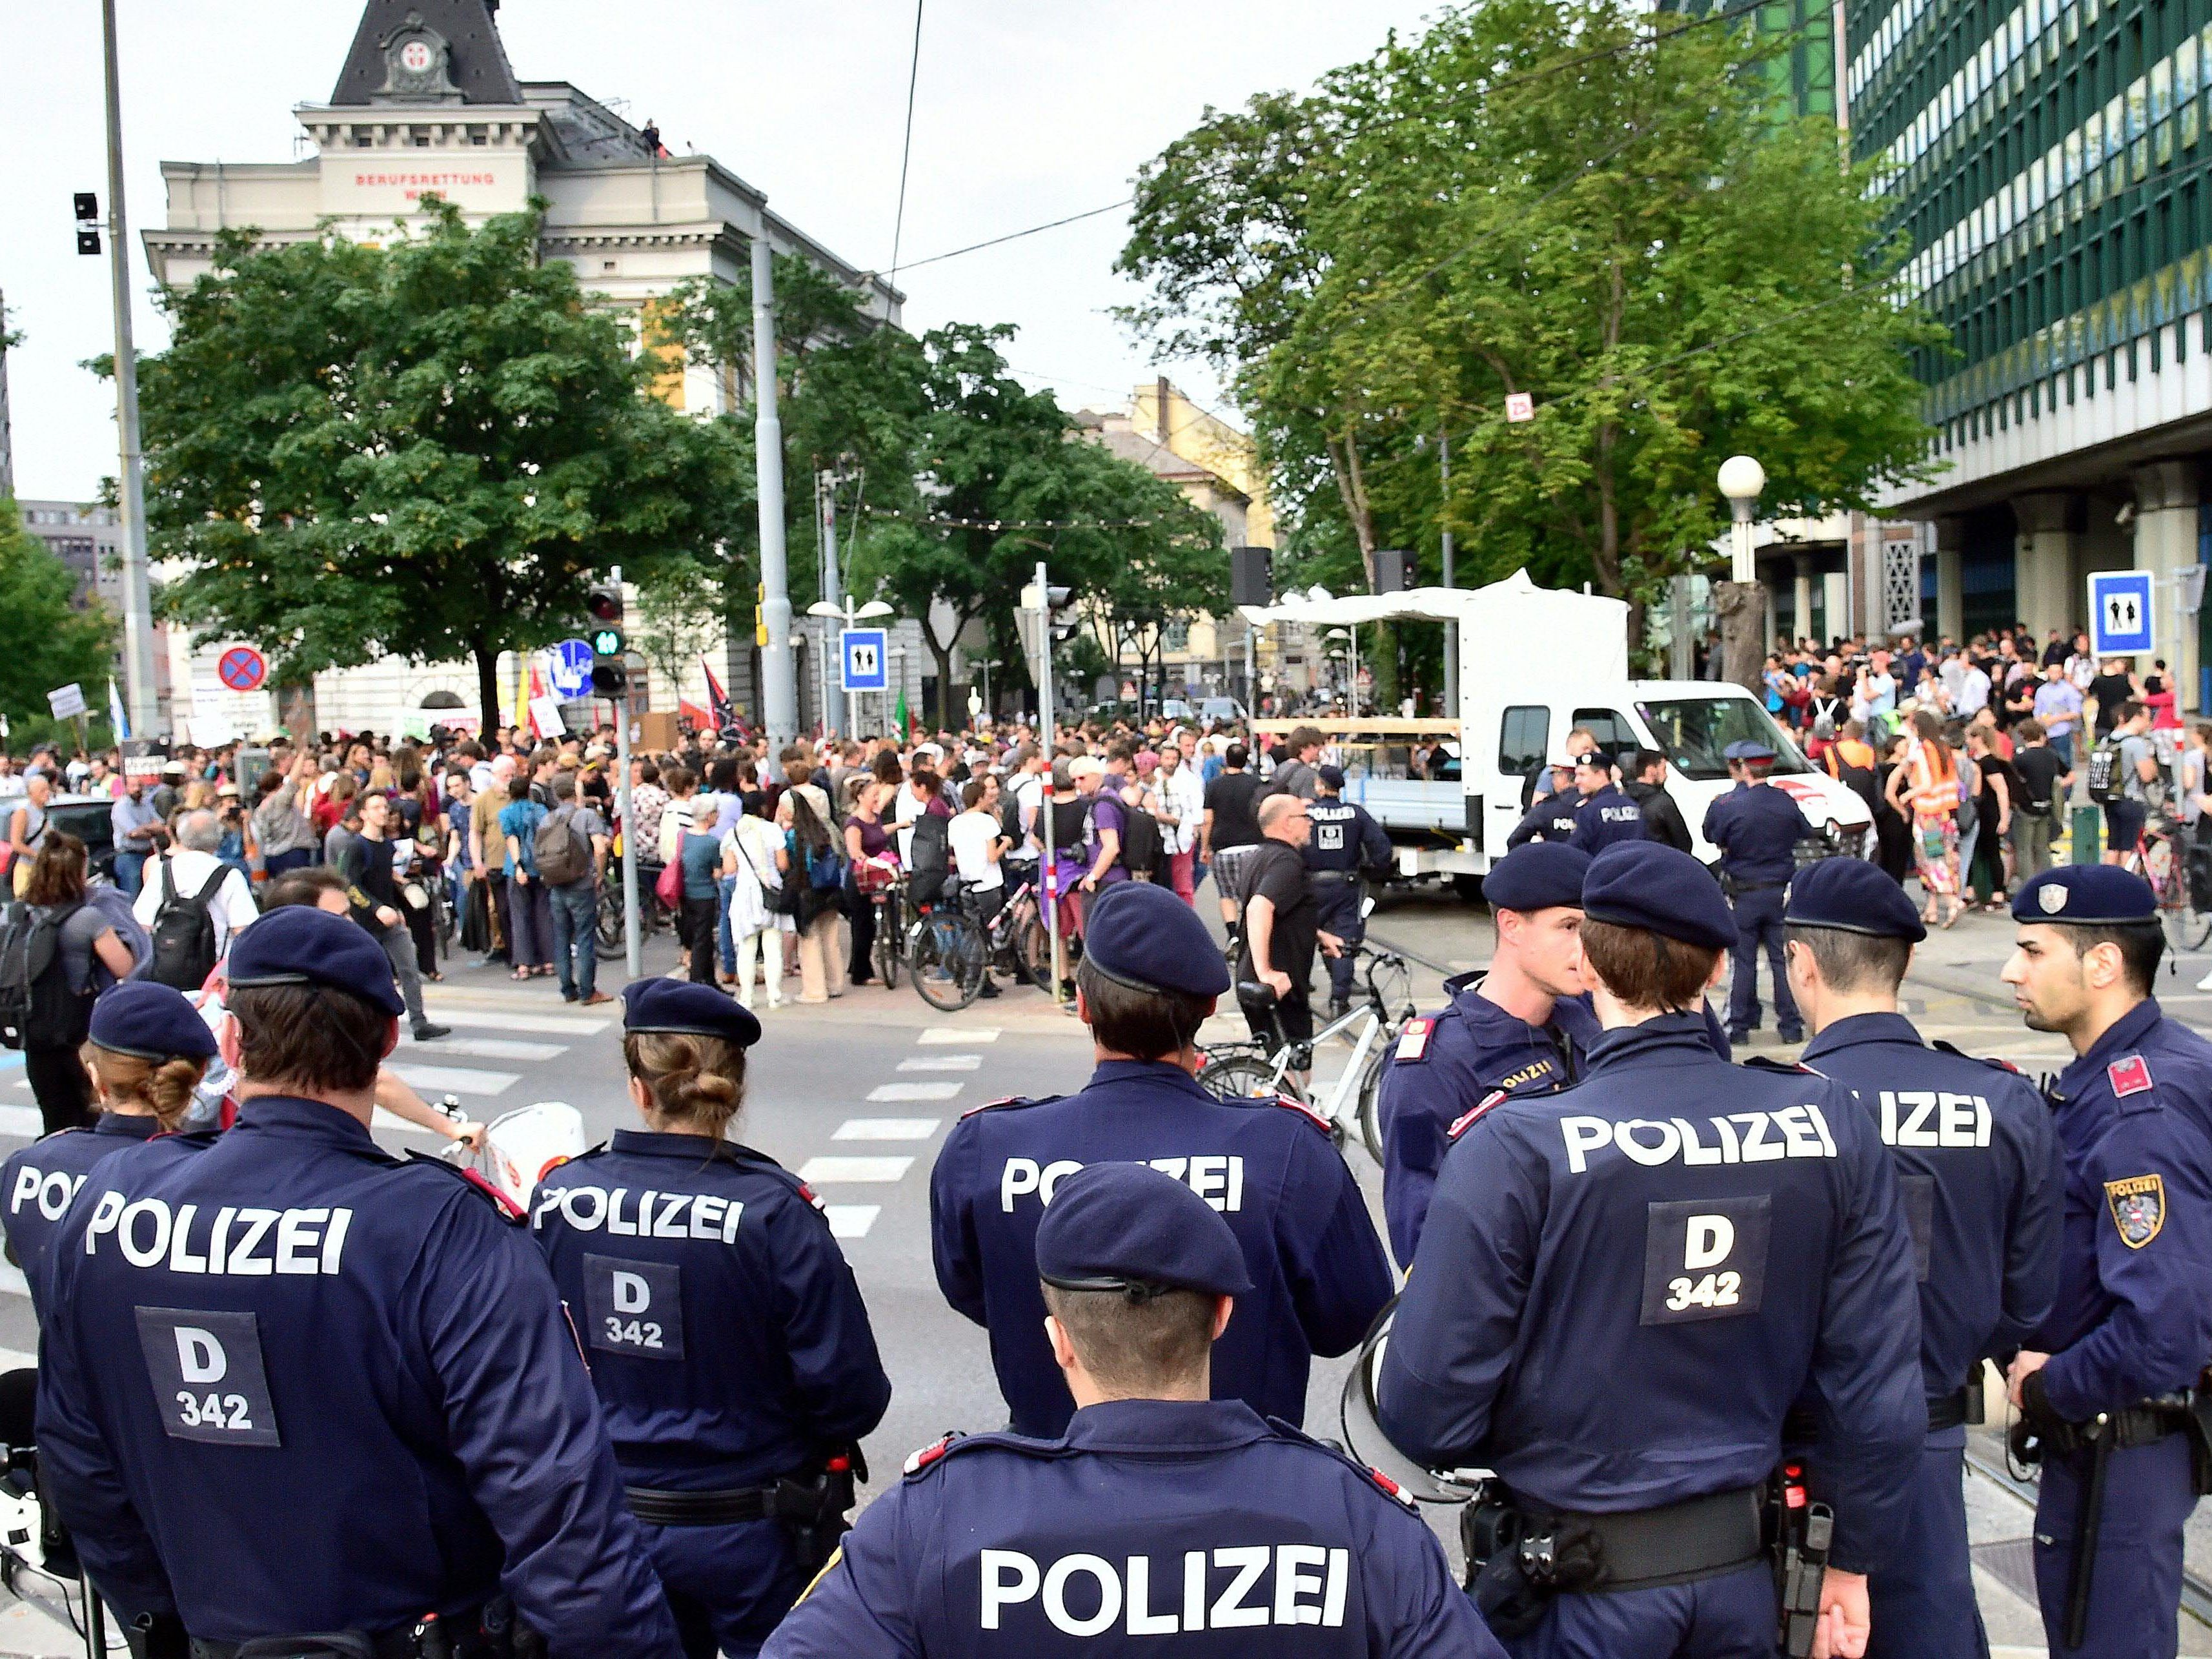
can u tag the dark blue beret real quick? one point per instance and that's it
(1537, 875)
(1139, 934)
(302, 945)
(681, 1008)
(1852, 896)
(2086, 896)
(1331, 775)
(1119, 1226)
(1747, 749)
(1647, 884)
(151, 1021)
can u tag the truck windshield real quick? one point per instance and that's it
(1694, 732)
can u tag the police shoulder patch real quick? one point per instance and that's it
(508, 1210)
(2138, 1207)
(1768, 1063)
(924, 1456)
(1008, 1100)
(1475, 1115)
(1413, 1041)
(1299, 1106)
(1943, 1045)
(1390, 1486)
(2128, 1075)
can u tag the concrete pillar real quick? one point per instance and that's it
(1801, 609)
(1950, 580)
(2043, 587)
(2165, 544)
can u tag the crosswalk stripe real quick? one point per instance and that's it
(456, 1079)
(943, 1036)
(22, 1122)
(887, 1128)
(865, 1171)
(563, 1024)
(399, 1125)
(11, 1280)
(15, 1360)
(851, 1220)
(497, 1048)
(887, 1092)
(943, 1063)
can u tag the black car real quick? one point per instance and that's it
(87, 818)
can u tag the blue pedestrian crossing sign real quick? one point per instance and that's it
(569, 668)
(865, 658)
(2120, 613)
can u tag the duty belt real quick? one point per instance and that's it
(1945, 1411)
(2142, 1425)
(1644, 1549)
(660, 1508)
(462, 1635)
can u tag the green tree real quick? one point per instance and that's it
(429, 450)
(51, 642)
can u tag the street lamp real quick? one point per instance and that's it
(1742, 480)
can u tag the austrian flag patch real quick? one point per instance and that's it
(2127, 1077)
(2138, 1205)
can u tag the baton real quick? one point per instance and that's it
(2087, 1520)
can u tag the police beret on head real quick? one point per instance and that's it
(681, 1008)
(1595, 759)
(1119, 1226)
(1852, 896)
(1747, 749)
(151, 1021)
(1141, 935)
(302, 945)
(1647, 884)
(1537, 875)
(2086, 896)
(1331, 775)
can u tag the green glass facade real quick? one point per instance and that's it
(2049, 162)
(1803, 76)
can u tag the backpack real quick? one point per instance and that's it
(2105, 778)
(929, 858)
(562, 854)
(1140, 842)
(36, 1002)
(183, 932)
(825, 868)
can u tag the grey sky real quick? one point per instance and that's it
(1027, 110)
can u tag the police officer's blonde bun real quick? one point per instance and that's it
(696, 1080)
(167, 1085)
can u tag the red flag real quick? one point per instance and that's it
(690, 712)
(718, 701)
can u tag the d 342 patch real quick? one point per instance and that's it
(2138, 1205)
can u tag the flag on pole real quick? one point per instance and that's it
(699, 719)
(899, 714)
(117, 719)
(717, 701)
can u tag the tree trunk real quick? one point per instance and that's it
(1742, 607)
(487, 656)
(1352, 486)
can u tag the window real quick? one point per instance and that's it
(1693, 732)
(1612, 733)
(1523, 733)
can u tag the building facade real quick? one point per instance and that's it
(427, 102)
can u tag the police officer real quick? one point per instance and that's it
(2103, 1385)
(293, 1384)
(1603, 815)
(1345, 840)
(1552, 817)
(729, 1345)
(1149, 979)
(1514, 1029)
(1756, 827)
(149, 1049)
(1165, 1517)
(1980, 1173)
(1622, 1288)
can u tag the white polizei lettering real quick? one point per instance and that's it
(181, 1260)
(1143, 1621)
(657, 1215)
(1001, 1590)
(1209, 1179)
(1249, 1560)
(1056, 1594)
(299, 1232)
(128, 1232)
(1292, 1582)
(707, 1215)
(1731, 1146)
(1821, 1128)
(730, 1220)
(1055, 1172)
(27, 1189)
(1339, 1582)
(1922, 1119)
(1798, 1139)
(1693, 1150)
(1670, 1141)
(1757, 1149)
(200, 1357)
(547, 1197)
(1193, 1590)
(1016, 1179)
(667, 1224)
(1216, 1177)
(334, 1239)
(615, 1224)
(572, 1201)
(1174, 1168)
(242, 1263)
(1584, 1136)
(105, 1215)
(221, 1242)
(1236, 1185)
(1797, 1131)
(1710, 1239)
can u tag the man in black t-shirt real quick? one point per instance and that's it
(1281, 924)
(1230, 830)
(2111, 688)
(2043, 776)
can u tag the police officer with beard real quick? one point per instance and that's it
(1345, 841)
(1717, 1242)
(730, 1348)
(1149, 977)
(294, 1384)
(2104, 1385)
(1167, 1517)
(1980, 1173)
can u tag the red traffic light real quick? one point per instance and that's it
(605, 603)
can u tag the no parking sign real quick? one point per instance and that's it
(242, 668)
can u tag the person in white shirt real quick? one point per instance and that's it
(1182, 808)
(977, 844)
(187, 868)
(749, 850)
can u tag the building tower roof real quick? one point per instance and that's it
(427, 51)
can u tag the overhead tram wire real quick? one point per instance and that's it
(906, 148)
(1016, 235)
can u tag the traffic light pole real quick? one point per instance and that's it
(625, 808)
(779, 686)
(1046, 882)
(137, 605)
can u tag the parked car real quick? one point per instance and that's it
(1215, 710)
(86, 817)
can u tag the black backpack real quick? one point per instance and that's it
(929, 859)
(36, 1001)
(1140, 841)
(183, 932)
(2106, 779)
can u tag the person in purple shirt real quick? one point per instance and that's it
(1108, 822)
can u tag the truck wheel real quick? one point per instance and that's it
(1468, 888)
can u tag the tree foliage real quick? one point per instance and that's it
(429, 450)
(50, 641)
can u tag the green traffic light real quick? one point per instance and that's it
(607, 642)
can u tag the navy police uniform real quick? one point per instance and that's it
(1550, 819)
(729, 1348)
(1757, 828)
(1345, 840)
(295, 1384)
(1187, 1527)
(1605, 816)
(2133, 1320)
(1623, 1286)
(1267, 1166)
(1980, 1177)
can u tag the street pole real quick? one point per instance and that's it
(1045, 880)
(138, 620)
(779, 689)
(625, 809)
(852, 698)
(1451, 629)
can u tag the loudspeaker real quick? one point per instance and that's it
(1251, 576)
(1393, 566)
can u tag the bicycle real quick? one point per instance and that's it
(1352, 1101)
(653, 916)
(2176, 871)
(950, 949)
(880, 884)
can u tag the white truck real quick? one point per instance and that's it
(1533, 664)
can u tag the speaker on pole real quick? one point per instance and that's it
(1392, 566)
(1251, 576)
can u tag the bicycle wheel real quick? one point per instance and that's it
(1032, 952)
(1371, 1103)
(607, 931)
(946, 953)
(1239, 1076)
(887, 951)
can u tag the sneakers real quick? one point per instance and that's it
(426, 1032)
(593, 1000)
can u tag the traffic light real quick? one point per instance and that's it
(610, 674)
(88, 218)
(604, 602)
(606, 641)
(610, 679)
(1065, 620)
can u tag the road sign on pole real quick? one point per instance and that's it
(2120, 613)
(863, 653)
(570, 668)
(242, 668)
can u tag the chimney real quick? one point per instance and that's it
(1160, 406)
